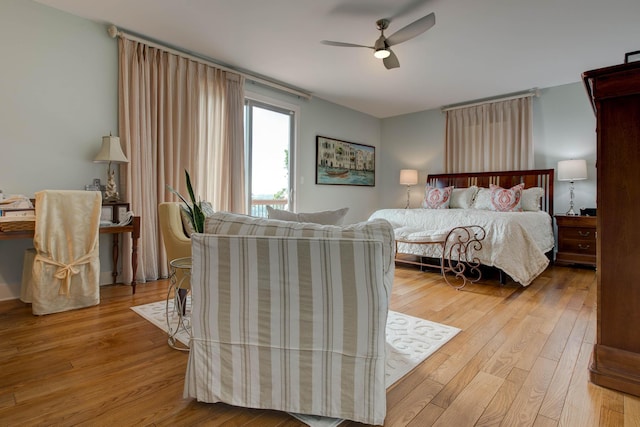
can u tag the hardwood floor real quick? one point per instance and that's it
(521, 359)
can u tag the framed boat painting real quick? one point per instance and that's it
(344, 163)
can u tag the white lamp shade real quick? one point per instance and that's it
(408, 177)
(111, 151)
(572, 170)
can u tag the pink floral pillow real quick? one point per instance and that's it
(506, 200)
(437, 198)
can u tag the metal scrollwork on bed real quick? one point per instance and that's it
(458, 255)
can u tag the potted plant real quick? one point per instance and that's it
(194, 210)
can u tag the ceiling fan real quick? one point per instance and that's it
(382, 46)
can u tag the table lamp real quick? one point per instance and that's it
(572, 170)
(408, 177)
(111, 151)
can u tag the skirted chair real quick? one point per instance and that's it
(291, 316)
(62, 272)
(177, 244)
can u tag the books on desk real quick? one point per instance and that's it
(17, 212)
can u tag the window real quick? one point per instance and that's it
(269, 139)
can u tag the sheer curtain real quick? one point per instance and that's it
(490, 137)
(176, 114)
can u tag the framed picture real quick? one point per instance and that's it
(115, 212)
(344, 163)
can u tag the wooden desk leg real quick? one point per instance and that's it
(114, 255)
(135, 235)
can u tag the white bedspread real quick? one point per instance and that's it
(516, 242)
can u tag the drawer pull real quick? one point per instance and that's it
(584, 233)
(581, 246)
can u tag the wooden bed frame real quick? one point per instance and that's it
(532, 178)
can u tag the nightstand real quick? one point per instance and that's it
(576, 240)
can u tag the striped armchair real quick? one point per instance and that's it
(291, 316)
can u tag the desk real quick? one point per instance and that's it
(116, 230)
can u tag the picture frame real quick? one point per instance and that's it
(341, 162)
(632, 56)
(114, 212)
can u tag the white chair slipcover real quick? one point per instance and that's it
(63, 270)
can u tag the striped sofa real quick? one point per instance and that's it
(291, 316)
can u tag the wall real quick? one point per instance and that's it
(319, 117)
(58, 98)
(564, 128)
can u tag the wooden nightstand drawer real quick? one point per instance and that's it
(577, 246)
(576, 240)
(578, 233)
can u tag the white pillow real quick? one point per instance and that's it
(531, 198)
(483, 200)
(324, 217)
(462, 198)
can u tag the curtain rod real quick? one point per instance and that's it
(113, 32)
(506, 97)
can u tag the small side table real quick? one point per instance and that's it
(178, 311)
(576, 240)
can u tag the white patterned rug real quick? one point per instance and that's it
(410, 340)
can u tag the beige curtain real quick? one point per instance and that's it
(176, 114)
(495, 136)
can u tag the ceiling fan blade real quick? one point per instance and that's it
(412, 30)
(342, 44)
(391, 61)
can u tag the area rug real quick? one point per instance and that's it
(410, 340)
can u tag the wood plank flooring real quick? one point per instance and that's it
(521, 359)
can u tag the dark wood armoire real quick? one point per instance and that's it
(615, 94)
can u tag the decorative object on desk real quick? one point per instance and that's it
(408, 177)
(572, 170)
(588, 211)
(632, 56)
(195, 209)
(111, 152)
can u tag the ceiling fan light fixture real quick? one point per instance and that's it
(381, 53)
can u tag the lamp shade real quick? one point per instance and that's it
(408, 177)
(111, 151)
(572, 170)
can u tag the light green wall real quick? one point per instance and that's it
(58, 97)
(564, 128)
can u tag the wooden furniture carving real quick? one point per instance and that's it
(576, 240)
(615, 95)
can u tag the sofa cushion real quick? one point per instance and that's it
(323, 217)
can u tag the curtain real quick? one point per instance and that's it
(495, 136)
(176, 114)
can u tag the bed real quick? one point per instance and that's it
(519, 244)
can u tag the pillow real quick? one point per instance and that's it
(437, 198)
(482, 199)
(188, 227)
(462, 198)
(324, 217)
(531, 198)
(506, 200)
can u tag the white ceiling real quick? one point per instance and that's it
(477, 48)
